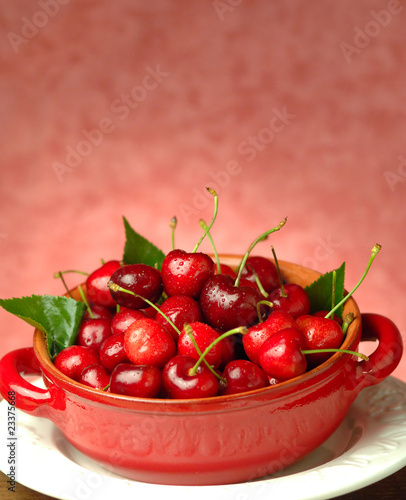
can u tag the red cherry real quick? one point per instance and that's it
(322, 314)
(242, 376)
(265, 270)
(204, 335)
(95, 376)
(112, 352)
(93, 332)
(225, 269)
(185, 273)
(96, 284)
(180, 383)
(139, 381)
(140, 279)
(98, 311)
(124, 318)
(258, 334)
(180, 309)
(146, 342)
(321, 333)
(72, 360)
(295, 303)
(226, 306)
(281, 354)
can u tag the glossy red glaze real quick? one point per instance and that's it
(218, 440)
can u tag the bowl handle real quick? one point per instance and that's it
(386, 356)
(19, 392)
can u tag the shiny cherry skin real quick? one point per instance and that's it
(179, 383)
(296, 302)
(146, 342)
(204, 335)
(321, 333)
(99, 311)
(226, 269)
(281, 354)
(95, 376)
(72, 360)
(124, 318)
(322, 314)
(139, 381)
(243, 375)
(266, 271)
(258, 334)
(96, 284)
(140, 279)
(112, 352)
(185, 273)
(180, 309)
(226, 306)
(93, 332)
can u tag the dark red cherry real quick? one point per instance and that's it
(185, 273)
(323, 314)
(258, 334)
(96, 284)
(181, 383)
(146, 342)
(296, 302)
(124, 318)
(242, 376)
(95, 376)
(139, 381)
(281, 354)
(74, 359)
(226, 306)
(140, 279)
(226, 269)
(112, 352)
(93, 332)
(180, 309)
(266, 271)
(99, 311)
(204, 335)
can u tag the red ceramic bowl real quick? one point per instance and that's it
(220, 440)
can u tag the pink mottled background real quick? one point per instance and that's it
(291, 109)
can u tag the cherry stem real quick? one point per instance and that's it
(283, 293)
(60, 275)
(188, 329)
(117, 288)
(375, 252)
(216, 205)
(258, 281)
(85, 302)
(172, 225)
(347, 321)
(315, 351)
(262, 237)
(102, 261)
(240, 329)
(203, 225)
(333, 291)
(105, 388)
(259, 303)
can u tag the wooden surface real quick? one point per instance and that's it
(390, 488)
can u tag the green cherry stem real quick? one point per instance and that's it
(259, 303)
(241, 329)
(262, 237)
(347, 322)
(216, 205)
(117, 288)
(333, 291)
(354, 353)
(374, 253)
(60, 275)
(258, 282)
(188, 329)
(203, 225)
(173, 223)
(83, 296)
(283, 293)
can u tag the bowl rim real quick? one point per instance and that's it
(311, 377)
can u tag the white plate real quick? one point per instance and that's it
(369, 445)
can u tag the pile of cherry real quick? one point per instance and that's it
(194, 329)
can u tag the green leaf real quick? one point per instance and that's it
(57, 317)
(320, 291)
(139, 250)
